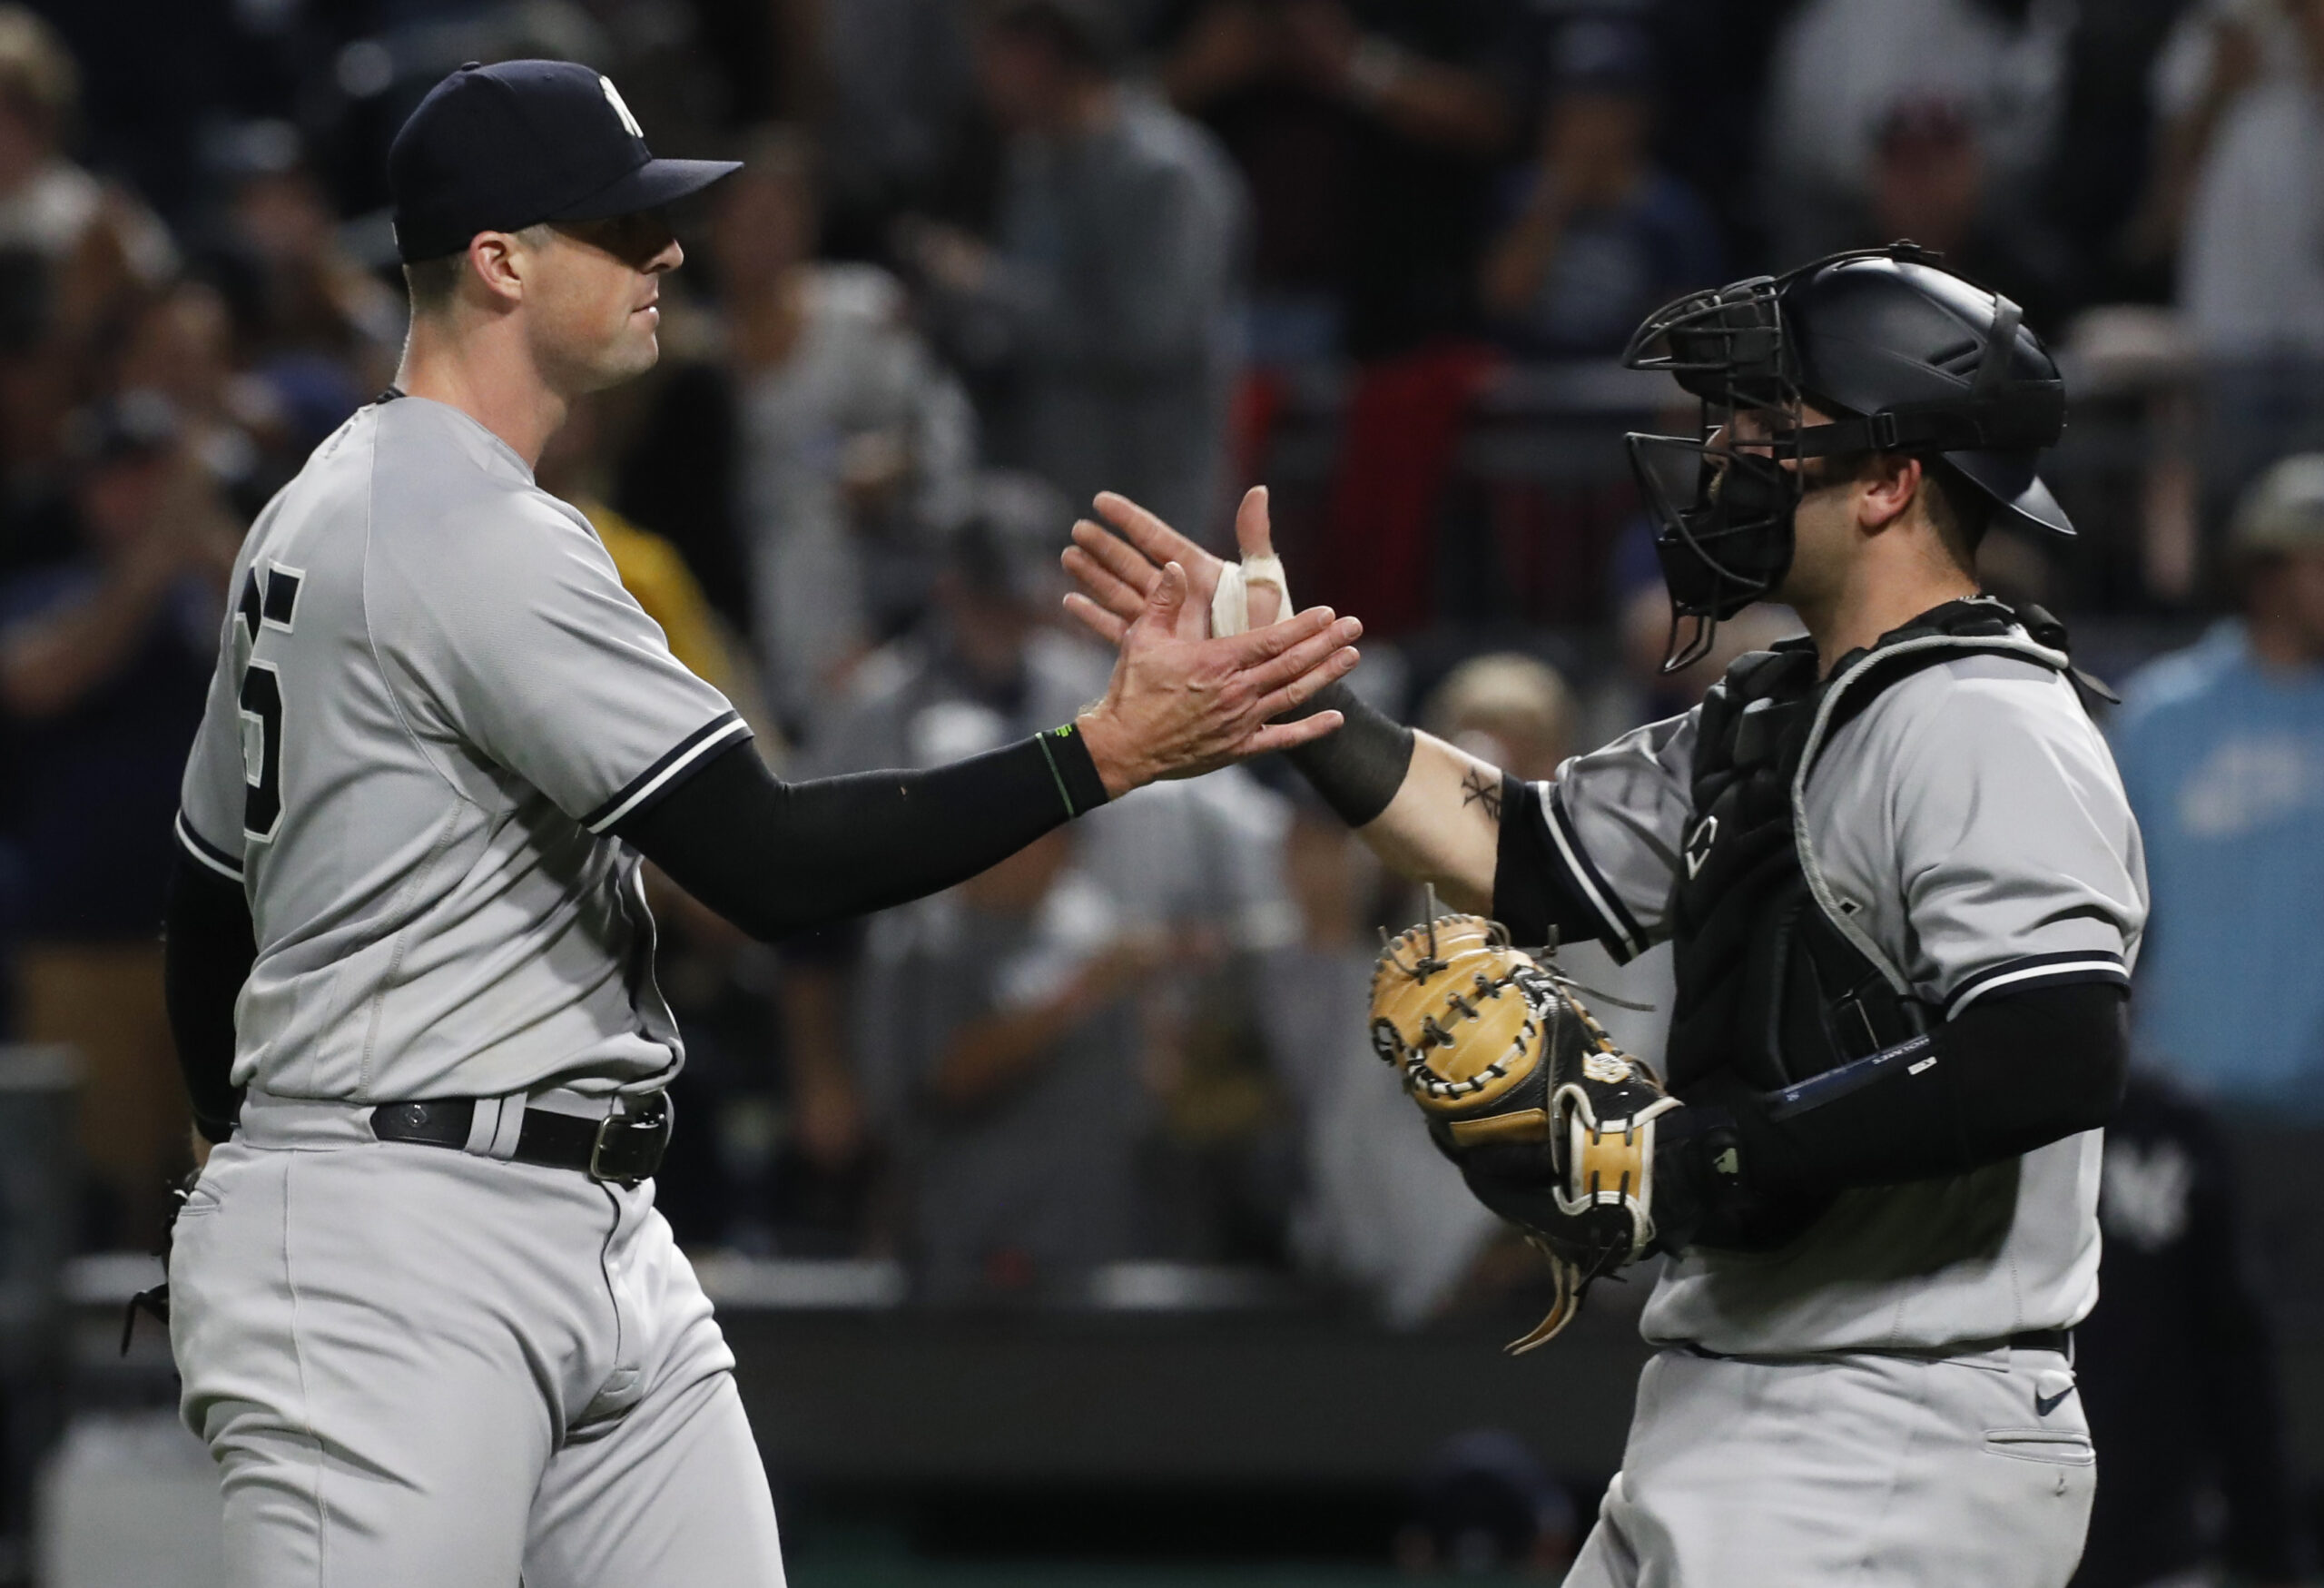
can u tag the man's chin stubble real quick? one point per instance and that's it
(624, 362)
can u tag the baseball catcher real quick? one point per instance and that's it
(1904, 892)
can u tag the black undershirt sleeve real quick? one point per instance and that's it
(780, 858)
(2012, 1073)
(1533, 893)
(209, 946)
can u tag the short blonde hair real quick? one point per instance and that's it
(2282, 510)
(38, 77)
(432, 281)
(1504, 691)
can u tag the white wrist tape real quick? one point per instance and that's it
(1230, 604)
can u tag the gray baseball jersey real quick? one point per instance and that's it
(1971, 831)
(433, 699)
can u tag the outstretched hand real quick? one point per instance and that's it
(1118, 563)
(1181, 703)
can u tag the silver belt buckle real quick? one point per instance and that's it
(639, 1137)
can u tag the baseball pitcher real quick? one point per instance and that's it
(426, 1318)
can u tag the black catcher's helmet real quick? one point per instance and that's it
(1905, 355)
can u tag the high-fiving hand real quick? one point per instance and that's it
(1118, 567)
(1435, 828)
(1180, 702)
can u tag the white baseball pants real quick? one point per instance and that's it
(418, 1366)
(1874, 1470)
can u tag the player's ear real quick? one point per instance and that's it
(1886, 490)
(497, 262)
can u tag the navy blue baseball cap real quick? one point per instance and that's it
(501, 148)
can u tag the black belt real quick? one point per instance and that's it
(2058, 1340)
(623, 1148)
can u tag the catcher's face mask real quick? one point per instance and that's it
(1723, 498)
(1918, 367)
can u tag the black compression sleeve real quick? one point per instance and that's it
(2012, 1073)
(209, 946)
(1358, 769)
(778, 858)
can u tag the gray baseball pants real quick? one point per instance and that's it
(1889, 1470)
(414, 1365)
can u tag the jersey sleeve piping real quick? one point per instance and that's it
(1621, 932)
(658, 779)
(222, 862)
(2056, 969)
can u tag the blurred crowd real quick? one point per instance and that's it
(988, 257)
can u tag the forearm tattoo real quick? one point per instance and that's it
(1477, 789)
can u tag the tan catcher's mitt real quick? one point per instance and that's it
(1551, 1125)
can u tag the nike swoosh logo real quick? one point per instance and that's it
(2044, 1404)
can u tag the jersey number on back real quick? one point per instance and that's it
(274, 605)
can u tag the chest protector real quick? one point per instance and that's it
(1775, 981)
